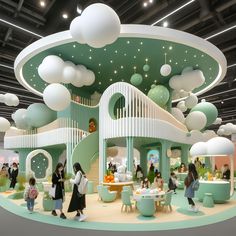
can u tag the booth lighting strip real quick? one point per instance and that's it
(21, 28)
(220, 32)
(173, 12)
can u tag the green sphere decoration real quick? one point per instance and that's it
(208, 109)
(39, 115)
(146, 68)
(136, 79)
(159, 94)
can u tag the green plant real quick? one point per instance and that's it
(202, 171)
(46, 195)
(235, 173)
(21, 180)
(3, 181)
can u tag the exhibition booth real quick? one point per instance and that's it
(109, 92)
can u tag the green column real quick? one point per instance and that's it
(130, 153)
(143, 160)
(184, 154)
(104, 158)
(23, 153)
(164, 160)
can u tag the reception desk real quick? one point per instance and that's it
(220, 190)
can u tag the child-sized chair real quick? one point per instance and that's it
(125, 197)
(167, 201)
(129, 189)
(108, 196)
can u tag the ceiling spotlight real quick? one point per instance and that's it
(145, 4)
(150, 1)
(65, 15)
(222, 102)
(42, 3)
(165, 24)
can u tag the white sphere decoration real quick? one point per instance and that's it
(100, 26)
(76, 30)
(218, 121)
(11, 99)
(183, 93)
(4, 124)
(68, 74)
(81, 73)
(191, 101)
(57, 97)
(220, 146)
(90, 78)
(181, 106)
(198, 149)
(51, 69)
(178, 114)
(165, 70)
(220, 132)
(196, 120)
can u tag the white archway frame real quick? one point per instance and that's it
(28, 167)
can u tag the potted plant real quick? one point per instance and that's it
(48, 203)
(3, 184)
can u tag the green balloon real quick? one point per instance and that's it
(208, 109)
(136, 79)
(21, 119)
(146, 68)
(159, 94)
(39, 115)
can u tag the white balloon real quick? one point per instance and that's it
(187, 81)
(175, 95)
(178, 114)
(76, 30)
(90, 78)
(100, 26)
(51, 69)
(20, 119)
(57, 97)
(187, 69)
(191, 101)
(218, 121)
(165, 70)
(81, 73)
(69, 73)
(4, 124)
(220, 131)
(11, 99)
(181, 106)
(196, 120)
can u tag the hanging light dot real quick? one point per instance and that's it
(115, 71)
(110, 79)
(74, 45)
(90, 58)
(141, 43)
(111, 61)
(104, 49)
(134, 57)
(195, 56)
(163, 47)
(170, 47)
(128, 42)
(99, 64)
(138, 49)
(100, 83)
(122, 67)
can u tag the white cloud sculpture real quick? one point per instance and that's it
(9, 99)
(4, 124)
(187, 81)
(218, 121)
(54, 70)
(214, 147)
(97, 26)
(227, 129)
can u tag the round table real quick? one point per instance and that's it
(156, 196)
(220, 190)
(118, 186)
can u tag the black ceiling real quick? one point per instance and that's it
(202, 18)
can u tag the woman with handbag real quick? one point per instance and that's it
(77, 202)
(58, 187)
(189, 184)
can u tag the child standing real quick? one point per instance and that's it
(173, 182)
(30, 194)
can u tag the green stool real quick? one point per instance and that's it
(90, 187)
(208, 200)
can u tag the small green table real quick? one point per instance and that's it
(219, 189)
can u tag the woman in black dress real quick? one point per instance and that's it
(77, 202)
(13, 173)
(58, 181)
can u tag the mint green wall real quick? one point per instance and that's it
(81, 114)
(86, 151)
(55, 152)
